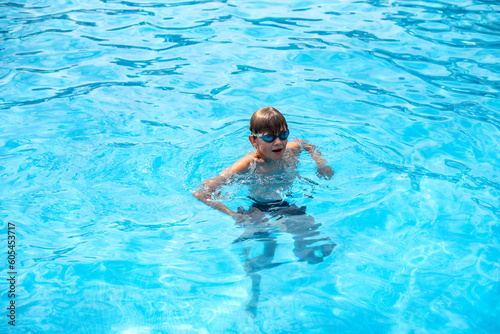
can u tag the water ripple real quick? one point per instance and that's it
(159, 5)
(280, 23)
(143, 63)
(72, 92)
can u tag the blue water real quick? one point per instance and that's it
(112, 112)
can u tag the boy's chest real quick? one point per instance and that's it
(288, 163)
(269, 169)
(274, 168)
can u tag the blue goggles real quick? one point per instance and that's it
(268, 138)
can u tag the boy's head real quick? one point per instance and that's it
(267, 120)
(269, 133)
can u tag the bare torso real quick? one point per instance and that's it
(272, 180)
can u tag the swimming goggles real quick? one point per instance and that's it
(268, 138)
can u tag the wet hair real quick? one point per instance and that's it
(267, 120)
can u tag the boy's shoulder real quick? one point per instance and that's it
(295, 143)
(243, 163)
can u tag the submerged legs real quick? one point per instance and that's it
(304, 230)
(253, 266)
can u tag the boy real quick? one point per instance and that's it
(273, 153)
(273, 165)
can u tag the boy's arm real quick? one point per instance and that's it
(323, 169)
(210, 186)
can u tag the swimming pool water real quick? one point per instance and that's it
(112, 112)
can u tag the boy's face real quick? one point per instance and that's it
(272, 150)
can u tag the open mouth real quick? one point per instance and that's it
(278, 151)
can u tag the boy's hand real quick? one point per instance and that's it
(252, 216)
(240, 219)
(325, 171)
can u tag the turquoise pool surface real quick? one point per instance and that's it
(113, 112)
